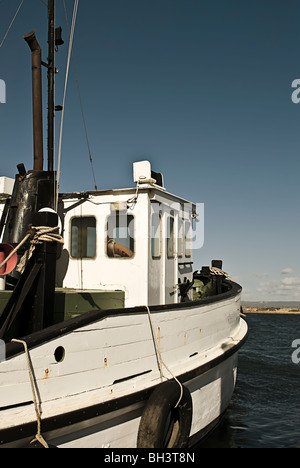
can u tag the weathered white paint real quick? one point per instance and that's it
(98, 355)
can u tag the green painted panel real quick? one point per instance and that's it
(70, 303)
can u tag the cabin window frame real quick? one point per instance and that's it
(170, 237)
(180, 240)
(83, 248)
(188, 239)
(156, 240)
(130, 230)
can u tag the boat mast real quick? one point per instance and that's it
(31, 305)
(51, 76)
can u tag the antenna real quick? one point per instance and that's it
(51, 75)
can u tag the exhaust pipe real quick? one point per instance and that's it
(37, 105)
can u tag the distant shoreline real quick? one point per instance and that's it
(272, 310)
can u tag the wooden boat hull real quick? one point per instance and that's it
(94, 374)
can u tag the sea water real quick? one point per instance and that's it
(265, 408)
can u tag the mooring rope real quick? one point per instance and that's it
(38, 436)
(159, 358)
(37, 235)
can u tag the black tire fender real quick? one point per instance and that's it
(163, 425)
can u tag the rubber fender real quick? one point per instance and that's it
(163, 425)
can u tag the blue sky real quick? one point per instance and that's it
(200, 88)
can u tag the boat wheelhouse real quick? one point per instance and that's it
(135, 240)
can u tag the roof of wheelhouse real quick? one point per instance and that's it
(145, 178)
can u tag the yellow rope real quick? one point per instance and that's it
(159, 358)
(38, 436)
(37, 235)
(15, 250)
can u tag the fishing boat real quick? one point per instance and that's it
(110, 337)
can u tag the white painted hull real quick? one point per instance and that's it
(95, 396)
(211, 394)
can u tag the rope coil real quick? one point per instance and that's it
(37, 235)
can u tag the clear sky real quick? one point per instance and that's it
(201, 88)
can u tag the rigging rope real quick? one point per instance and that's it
(65, 91)
(12, 22)
(81, 104)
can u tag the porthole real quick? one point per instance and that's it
(59, 354)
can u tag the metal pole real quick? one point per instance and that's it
(37, 104)
(51, 75)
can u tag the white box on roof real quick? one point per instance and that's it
(6, 185)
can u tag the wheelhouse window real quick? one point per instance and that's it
(188, 239)
(83, 237)
(120, 235)
(156, 235)
(170, 236)
(180, 238)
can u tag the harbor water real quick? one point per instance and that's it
(265, 408)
